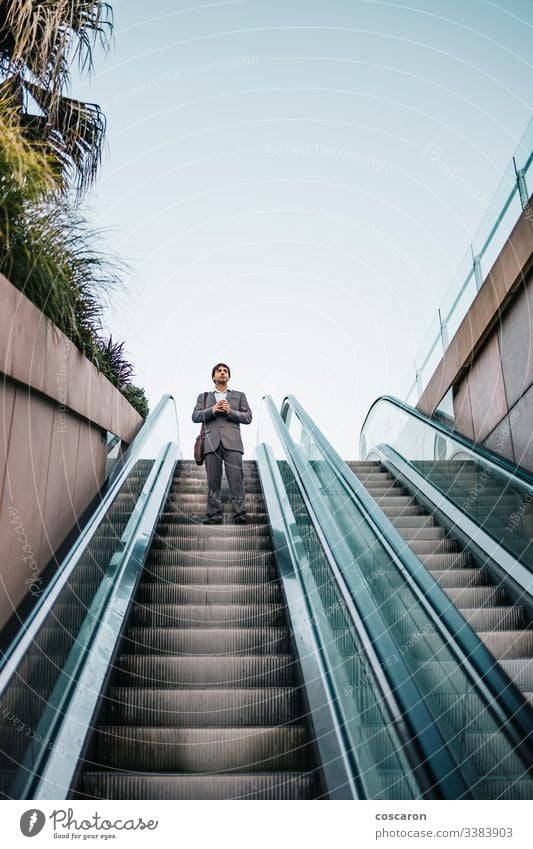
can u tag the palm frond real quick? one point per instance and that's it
(44, 37)
(75, 132)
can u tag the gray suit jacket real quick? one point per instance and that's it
(223, 428)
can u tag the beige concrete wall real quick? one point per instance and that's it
(493, 400)
(55, 409)
(489, 362)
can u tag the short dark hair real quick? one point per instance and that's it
(215, 368)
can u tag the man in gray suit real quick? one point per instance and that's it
(225, 411)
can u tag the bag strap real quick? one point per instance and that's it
(202, 429)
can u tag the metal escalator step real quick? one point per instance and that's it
(464, 597)
(194, 487)
(439, 561)
(265, 785)
(202, 750)
(394, 500)
(442, 546)
(277, 670)
(208, 615)
(211, 575)
(495, 618)
(520, 670)
(426, 532)
(198, 495)
(412, 522)
(367, 477)
(225, 533)
(448, 578)
(389, 489)
(210, 641)
(174, 557)
(364, 464)
(508, 644)
(201, 708)
(209, 593)
(395, 510)
(185, 518)
(221, 543)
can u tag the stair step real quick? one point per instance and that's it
(520, 670)
(448, 578)
(210, 641)
(175, 557)
(495, 618)
(208, 615)
(209, 594)
(201, 708)
(201, 750)
(445, 562)
(508, 644)
(464, 597)
(443, 546)
(261, 785)
(211, 575)
(220, 543)
(194, 533)
(158, 671)
(425, 532)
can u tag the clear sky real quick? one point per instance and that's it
(278, 177)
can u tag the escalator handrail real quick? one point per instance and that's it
(47, 772)
(425, 746)
(15, 651)
(504, 700)
(519, 476)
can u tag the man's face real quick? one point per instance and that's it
(221, 374)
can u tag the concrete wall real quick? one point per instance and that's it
(55, 409)
(493, 402)
(489, 362)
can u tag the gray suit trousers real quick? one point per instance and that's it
(234, 473)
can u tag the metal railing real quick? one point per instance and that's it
(509, 201)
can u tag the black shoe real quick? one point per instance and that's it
(240, 519)
(212, 520)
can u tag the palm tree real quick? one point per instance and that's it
(38, 43)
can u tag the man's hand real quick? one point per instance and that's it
(221, 407)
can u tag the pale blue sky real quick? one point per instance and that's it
(273, 177)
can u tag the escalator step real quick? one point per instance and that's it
(212, 641)
(202, 750)
(452, 560)
(508, 644)
(520, 670)
(204, 672)
(443, 546)
(209, 615)
(173, 557)
(209, 575)
(201, 708)
(495, 618)
(476, 596)
(425, 532)
(222, 534)
(200, 543)
(460, 577)
(209, 593)
(271, 785)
